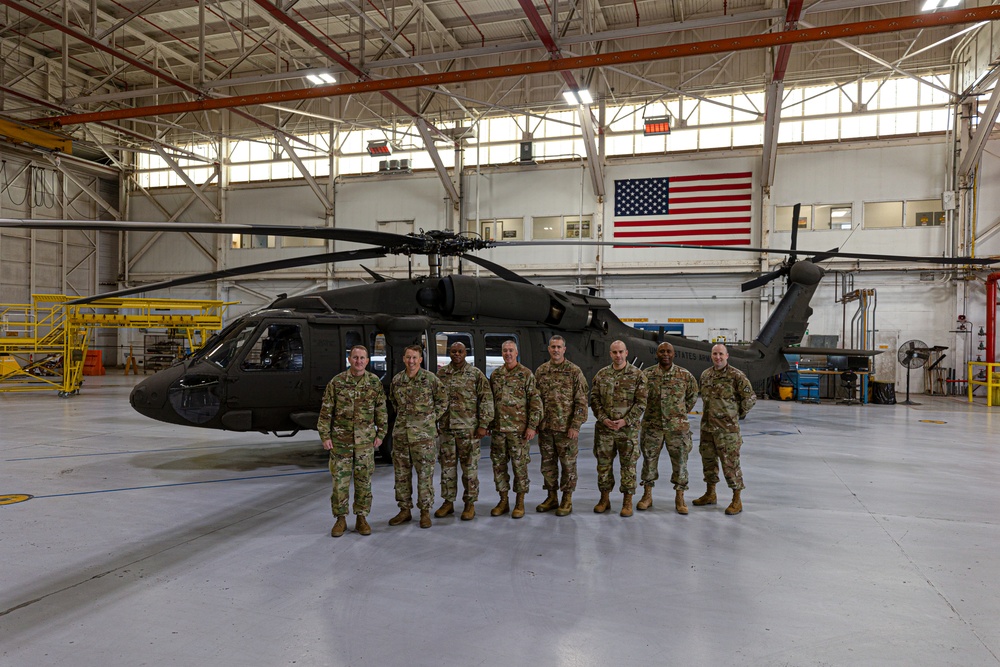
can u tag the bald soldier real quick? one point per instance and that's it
(673, 392)
(465, 423)
(518, 411)
(617, 398)
(420, 401)
(352, 422)
(564, 400)
(727, 396)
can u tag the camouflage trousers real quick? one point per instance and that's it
(721, 446)
(557, 450)
(624, 444)
(511, 447)
(678, 447)
(459, 447)
(361, 463)
(409, 455)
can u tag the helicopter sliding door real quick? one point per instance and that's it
(271, 379)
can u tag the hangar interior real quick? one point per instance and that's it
(511, 121)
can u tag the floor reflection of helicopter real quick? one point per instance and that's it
(266, 370)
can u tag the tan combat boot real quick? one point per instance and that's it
(447, 507)
(502, 507)
(361, 526)
(679, 503)
(566, 506)
(518, 510)
(469, 513)
(604, 504)
(647, 498)
(626, 505)
(402, 517)
(707, 499)
(550, 503)
(339, 527)
(736, 506)
(425, 518)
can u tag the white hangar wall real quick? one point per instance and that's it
(653, 284)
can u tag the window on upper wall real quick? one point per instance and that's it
(301, 242)
(883, 214)
(246, 241)
(832, 216)
(783, 218)
(500, 229)
(561, 227)
(924, 213)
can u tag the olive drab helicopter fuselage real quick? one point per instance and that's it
(267, 370)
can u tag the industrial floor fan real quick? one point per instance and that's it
(912, 354)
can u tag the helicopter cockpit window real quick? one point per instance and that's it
(445, 339)
(231, 345)
(494, 350)
(278, 348)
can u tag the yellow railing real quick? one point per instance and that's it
(992, 381)
(43, 345)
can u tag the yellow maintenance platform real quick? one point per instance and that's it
(43, 345)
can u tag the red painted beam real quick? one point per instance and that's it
(956, 17)
(785, 51)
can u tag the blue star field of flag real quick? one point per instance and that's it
(642, 196)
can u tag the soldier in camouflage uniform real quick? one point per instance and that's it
(352, 422)
(672, 395)
(470, 411)
(420, 401)
(564, 401)
(518, 411)
(727, 396)
(617, 397)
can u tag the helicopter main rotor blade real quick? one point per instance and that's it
(827, 254)
(308, 260)
(330, 233)
(501, 271)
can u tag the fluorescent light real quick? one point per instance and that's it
(931, 5)
(575, 97)
(320, 79)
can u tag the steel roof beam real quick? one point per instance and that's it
(617, 58)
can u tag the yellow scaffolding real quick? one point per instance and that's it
(43, 345)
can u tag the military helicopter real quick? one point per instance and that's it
(266, 371)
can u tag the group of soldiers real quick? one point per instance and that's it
(444, 417)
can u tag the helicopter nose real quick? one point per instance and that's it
(149, 397)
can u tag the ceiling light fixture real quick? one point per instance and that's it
(320, 78)
(654, 125)
(577, 97)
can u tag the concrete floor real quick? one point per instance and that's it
(869, 536)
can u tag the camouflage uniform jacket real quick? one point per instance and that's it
(728, 397)
(619, 394)
(353, 411)
(470, 401)
(672, 395)
(420, 402)
(518, 403)
(564, 396)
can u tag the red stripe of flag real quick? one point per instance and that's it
(711, 177)
(707, 242)
(711, 198)
(682, 232)
(711, 188)
(681, 221)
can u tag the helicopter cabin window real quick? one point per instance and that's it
(445, 339)
(494, 349)
(883, 214)
(500, 229)
(379, 361)
(229, 347)
(278, 348)
(248, 241)
(561, 227)
(783, 218)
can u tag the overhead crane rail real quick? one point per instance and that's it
(43, 345)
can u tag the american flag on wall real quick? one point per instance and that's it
(703, 209)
